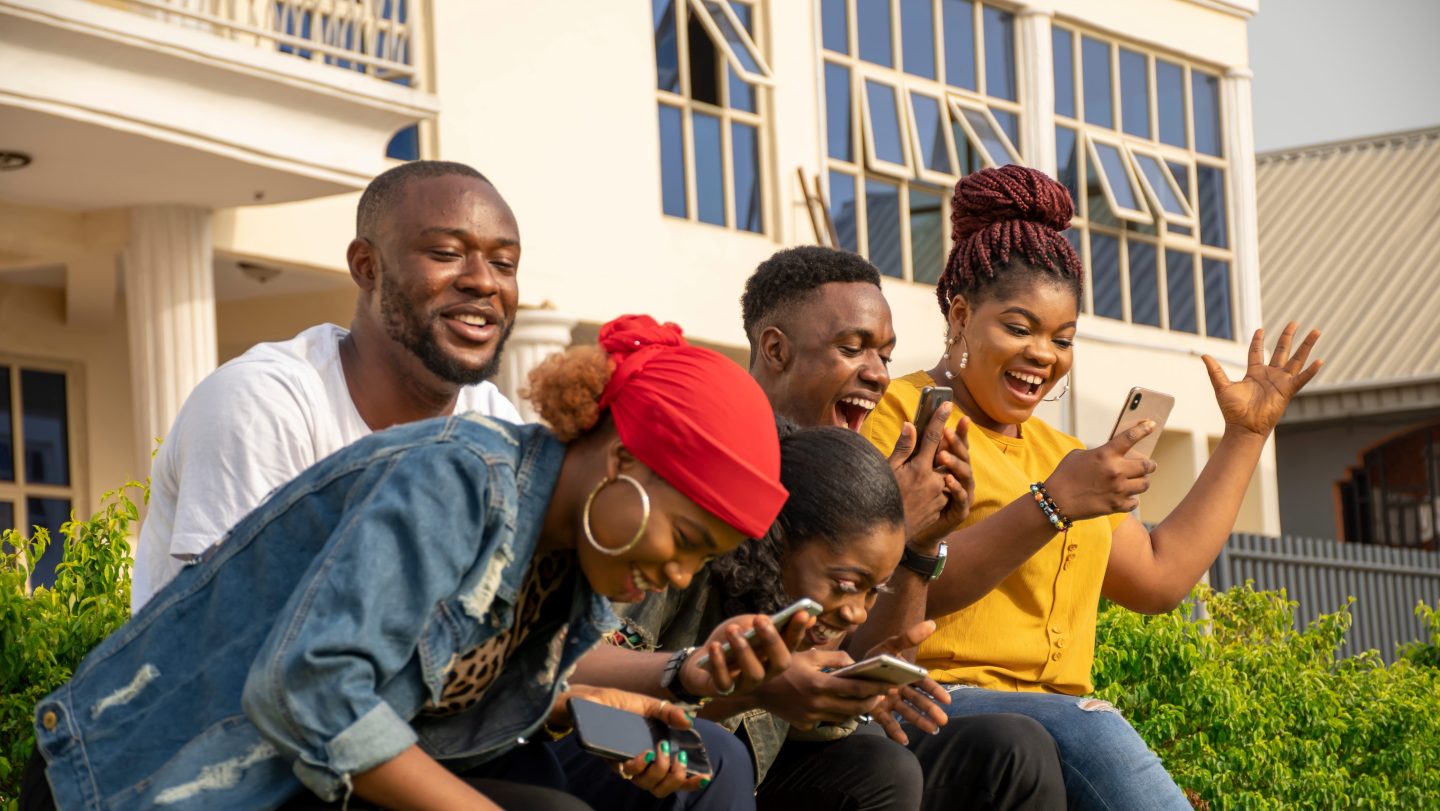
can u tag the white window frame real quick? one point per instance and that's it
(702, 12)
(1186, 216)
(958, 106)
(918, 149)
(899, 171)
(1138, 214)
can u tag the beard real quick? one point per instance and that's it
(414, 329)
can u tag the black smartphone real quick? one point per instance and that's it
(930, 399)
(619, 735)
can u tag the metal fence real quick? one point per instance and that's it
(1320, 574)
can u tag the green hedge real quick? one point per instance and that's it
(1252, 715)
(1255, 715)
(44, 635)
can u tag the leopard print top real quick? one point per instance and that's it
(470, 674)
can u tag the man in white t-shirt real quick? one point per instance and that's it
(435, 257)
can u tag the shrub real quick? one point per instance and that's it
(1428, 652)
(44, 635)
(1257, 715)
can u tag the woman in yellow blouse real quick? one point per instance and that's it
(1048, 532)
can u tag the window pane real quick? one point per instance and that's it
(405, 145)
(705, 63)
(1170, 99)
(917, 37)
(1095, 71)
(1159, 182)
(1067, 160)
(842, 210)
(885, 122)
(927, 235)
(930, 128)
(46, 429)
(967, 153)
(1206, 91)
(1216, 275)
(1113, 164)
(1211, 199)
(49, 513)
(732, 37)
(1144, 284)
(1105, 275)
(882, 225)
(742, 93)
(1064, 71)
(709, 170)
(7, 432)
(959, 21)
(1097, 210)
(1180, 288)
(1134, 93)
(667, 49)
(989, 137)
(999, 53)
(837, 111)
(7, 519)
(874, 25)
(1072, 236)
(672, 162)
(745, 140)
(834, 29)
(1009, 124)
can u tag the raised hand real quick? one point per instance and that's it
(1255, 402)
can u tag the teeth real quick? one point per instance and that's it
(472, 320)
(1033, 380)
(859, 401)
(640, 581)
(825, 632)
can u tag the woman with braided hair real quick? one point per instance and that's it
(1049, 531)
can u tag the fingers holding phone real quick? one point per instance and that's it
(658, 758)
(747, 651)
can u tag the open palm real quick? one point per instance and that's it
(1256, 401)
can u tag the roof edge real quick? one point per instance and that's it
(1400, 138)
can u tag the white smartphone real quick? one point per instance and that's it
(884, 668)
(1144, 404)
(778, 619)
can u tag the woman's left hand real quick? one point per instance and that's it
(660, 772)
(1256, 402)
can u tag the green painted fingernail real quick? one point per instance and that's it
(704, 781)
(649, 757)
(690, 715)
(683, 758)
(664, 747)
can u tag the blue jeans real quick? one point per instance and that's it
(1106, 764)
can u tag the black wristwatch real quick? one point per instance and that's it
(927, 566)
(671, 682)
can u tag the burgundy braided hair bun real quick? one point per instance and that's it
(1000, 215)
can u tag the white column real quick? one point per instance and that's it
(1037, 87)
(1239, 146)
(538, 334)
(170, 308)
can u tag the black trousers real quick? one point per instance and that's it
(997, 761)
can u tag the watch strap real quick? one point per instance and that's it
(927, 566)
(671, 682)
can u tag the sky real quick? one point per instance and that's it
(1329, 70)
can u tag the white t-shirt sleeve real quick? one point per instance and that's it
(243, 432)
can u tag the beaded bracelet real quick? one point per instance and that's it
(1060, 521)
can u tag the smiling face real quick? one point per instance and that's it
(678, 540)
(444, 268)
(845, 578)
(828, 365)
(1021, 345)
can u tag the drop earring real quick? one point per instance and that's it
(964, 355)
(1063, 392)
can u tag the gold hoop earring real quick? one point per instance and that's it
(644, 517)
(1062, 393)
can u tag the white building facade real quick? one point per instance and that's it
(193, 167)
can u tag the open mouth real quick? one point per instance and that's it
(641, 583)
(1024, 384)
(821, 634)
(850, 412)
(474, 327)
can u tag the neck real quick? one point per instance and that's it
(965, 401)
(388, 384)
(566, 503)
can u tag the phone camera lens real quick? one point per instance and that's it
(1135, 403)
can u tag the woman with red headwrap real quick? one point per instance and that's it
(420, 597)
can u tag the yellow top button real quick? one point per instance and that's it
(49, 720)
(1059, 643)
(1055, 657)
(1056, 629)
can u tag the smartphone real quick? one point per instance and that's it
(619, 735)
(1143, 404)
(778, 619)
(884, 668)
(930, 399)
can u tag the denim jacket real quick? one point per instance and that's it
(302, 650)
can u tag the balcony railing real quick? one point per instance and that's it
(374, 37)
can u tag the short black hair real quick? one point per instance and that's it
(840, 487)
(385, 189)
(793, 275)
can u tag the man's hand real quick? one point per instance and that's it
(935, 479)
(917, 703)
(749, 664)
(805, 695)
(658, 772)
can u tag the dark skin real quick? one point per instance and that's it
(449, 252)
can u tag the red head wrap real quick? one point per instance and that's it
(695, 418)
